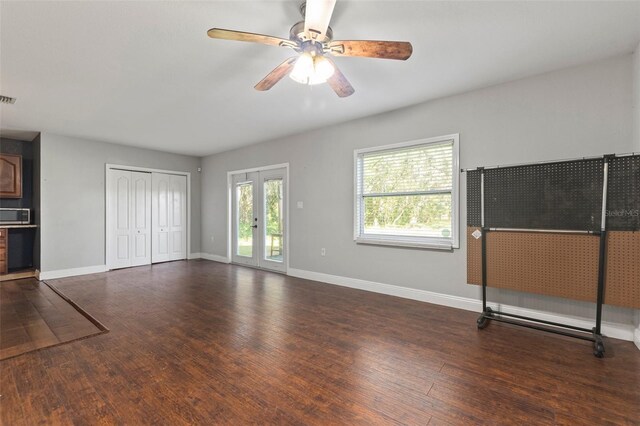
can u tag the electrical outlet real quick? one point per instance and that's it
(323, 251)
(300, 204)
(212, 238)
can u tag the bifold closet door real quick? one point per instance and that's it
(130, 218)
(169, 217)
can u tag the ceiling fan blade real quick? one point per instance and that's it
(250, 37)
(317, 16)
(372, 49)
(339, 82)
(277, 74)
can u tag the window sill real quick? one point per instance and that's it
(433, 245)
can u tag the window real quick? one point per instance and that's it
(407, 194)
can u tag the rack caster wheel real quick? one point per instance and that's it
(482, 322)
(598, 349)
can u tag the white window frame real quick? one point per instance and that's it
(406, 241)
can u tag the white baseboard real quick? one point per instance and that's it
(62, 273)
(215, 257)
(618, 331)
(194, 256)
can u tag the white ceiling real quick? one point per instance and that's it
(146, 74)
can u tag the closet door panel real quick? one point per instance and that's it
(178, 217)
(161, 217)
(163, 246)
(120, 221)
(122, 251)
(141, 218)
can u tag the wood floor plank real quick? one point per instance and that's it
(35, 317)
(201, 342)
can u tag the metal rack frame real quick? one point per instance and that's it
(595, 334)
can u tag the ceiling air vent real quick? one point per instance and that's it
(7, 100)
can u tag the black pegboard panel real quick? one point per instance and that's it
(623, 199)
(564, 195)
(474, 217)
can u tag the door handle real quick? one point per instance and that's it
(254, 226)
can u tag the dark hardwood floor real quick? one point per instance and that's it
(33, 316)
(201, 342)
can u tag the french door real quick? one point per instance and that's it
(259, 219)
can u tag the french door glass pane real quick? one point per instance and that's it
(413, 215)
(244, 197)
(273, 239)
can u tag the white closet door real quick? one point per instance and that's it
(169, 217)
(120, 217)
(160, 220)
(140, 218)
(129, 210)
(178, 217)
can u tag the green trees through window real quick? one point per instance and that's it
(407, 191)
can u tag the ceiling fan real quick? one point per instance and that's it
(313, 40)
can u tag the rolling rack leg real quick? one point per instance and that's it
(487, 313)
(598, 344)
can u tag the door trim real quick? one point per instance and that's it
(230, 207)
(107, 222)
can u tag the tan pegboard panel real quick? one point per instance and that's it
(474, 257)
(622, 282)
(562, 265)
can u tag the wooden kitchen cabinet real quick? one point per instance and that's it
(10, 176)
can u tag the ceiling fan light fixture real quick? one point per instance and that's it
(324, 69)
(312, 39)
(311, 70)
(303, 69)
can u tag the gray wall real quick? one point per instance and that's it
(574, 112)
(636, 96)
(73, 196)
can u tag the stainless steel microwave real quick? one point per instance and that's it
(11, 216)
